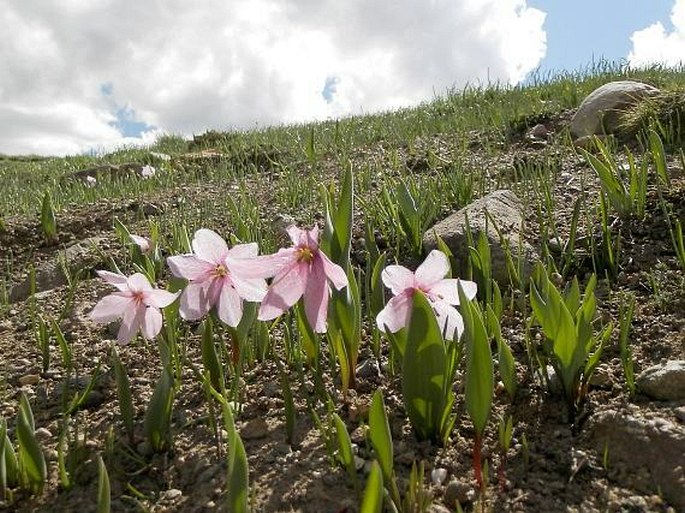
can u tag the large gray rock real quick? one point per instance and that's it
(636, 444)
(663, 382)
(506, 210)
(600, 112)
(84, 255)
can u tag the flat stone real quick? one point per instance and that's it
(29, 379)
(652, 448)
(254, 429)
(83, 255)
(663, 382)
(600, 112)
(506, 210)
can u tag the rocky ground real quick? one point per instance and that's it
(620, 453)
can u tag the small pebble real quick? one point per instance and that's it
(456, 491)
(438, 476)
(42, 434)
(29, 379)
(172, 494)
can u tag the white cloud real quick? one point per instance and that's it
(68, 67)
(656, 45)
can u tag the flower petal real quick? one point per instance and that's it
(264, 266)
(445, 290)
(316, 297)
(396, 313)
(397, 278)
(250, 290)
(138, 283)
(449, 319)
(298, 236)
(208, 245)
(152, 322)
(142, 242)
(249, 250)
(118, 280)
(194, 301)
(334, 272)
(432, 270)
(470, 288)
(159, 298)
(284, 292)
(190, 267)
(133, 318)
(313, 237)
(229, 307)
(111, 307)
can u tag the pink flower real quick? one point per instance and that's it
(136, 301)
(213, 281)
(143, 243)
(442, 294)
(300, 271)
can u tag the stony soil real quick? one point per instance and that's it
(555, 463)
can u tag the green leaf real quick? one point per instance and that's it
(308, 338)
(210, 358)
(157, 422)
(505, 358)
(238, 470)
(377, 301)
(31, 459)
(104, 494)
(424, 371)
(48, 222)
(345, 448)
(338, 228)
(379, 433)
(373, 494)
(123, 393)
(64, 346)
(479, 385)
(656, 148)
(345, 327)
(8, 462)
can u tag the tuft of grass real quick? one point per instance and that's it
(664, 112)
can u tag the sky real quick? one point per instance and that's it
(89, 76)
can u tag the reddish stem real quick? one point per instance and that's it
(477, 468)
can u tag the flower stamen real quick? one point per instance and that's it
(305, 254)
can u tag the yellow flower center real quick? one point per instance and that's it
(220, 271)
(305, 255)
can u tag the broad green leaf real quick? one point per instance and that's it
(210, 358)
(157, 422)
(308, 338)
(104, 494)
(379, 433)
(238, 471)
(373, 494)
(424, 371)
(337, 236)
(479, 385)
(123, 393)
(246, 321)
(377, 301)
(31, 459)
(9, 458)
(345, 448)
